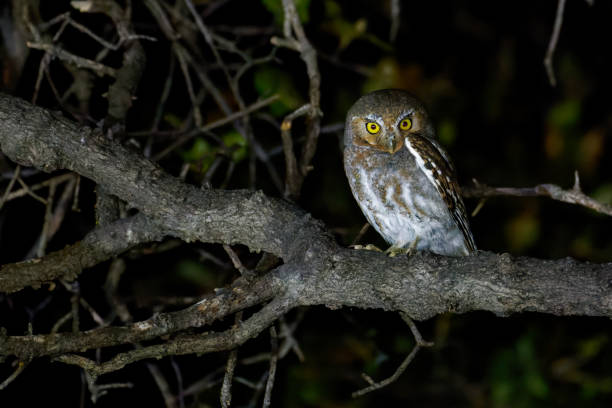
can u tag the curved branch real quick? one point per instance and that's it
(190, 343)
(572, 196)
(203, 313)
(35, 137)
(316, 270)
(98, 246)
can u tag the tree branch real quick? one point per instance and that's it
(98, 246)
(316, 270)
(572, 196)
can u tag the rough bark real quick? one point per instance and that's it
(316, 270)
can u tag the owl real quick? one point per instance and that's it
(402, 178)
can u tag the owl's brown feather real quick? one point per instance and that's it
(402, 179)
(443, 177)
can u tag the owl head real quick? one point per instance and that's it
(381, 120)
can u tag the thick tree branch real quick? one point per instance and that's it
(98, 246)
(189, 343)
(316, 270)
(206, 311)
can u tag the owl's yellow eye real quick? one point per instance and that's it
(405, 124)
(372, 127)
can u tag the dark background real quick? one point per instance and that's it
(478, 67)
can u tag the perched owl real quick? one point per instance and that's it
(401, 177)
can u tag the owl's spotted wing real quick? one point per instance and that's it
(435, 163)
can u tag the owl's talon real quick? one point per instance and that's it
(368, 247)
(412, 248)
(393, 251)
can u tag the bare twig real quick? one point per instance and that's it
(402, 367)
(292, 25)
(361, 233)
(192, 95)
(188, 343)
(44, 235)
(60, 322)
(552, 45)
(179, 383)
(29, 189)
(289, 342)
(7, 192)
(59, 52)
(42, 67)
(293, 177)
(226, 387)
(21, 365)
(162, 384)
(30, 192)
(218, 123)
(236, 260)
(99, 390)
(395, 19)
(272, 370)
(572, 196)
(226, 394)
(53, 220)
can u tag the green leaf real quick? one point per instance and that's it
(236, 144)
(196, 273)
(173, 120)
(590, 348)
(565, 114)
(603, 193)
(269, 80)
(523, 231)
(447, 132)
(276, 8)
(516, 378)
(332, 9)
(403, 344)
(386, 74)
(199, 149)
(201, 154)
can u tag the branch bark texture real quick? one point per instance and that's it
(316, 270)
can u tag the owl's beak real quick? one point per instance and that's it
(393, 143)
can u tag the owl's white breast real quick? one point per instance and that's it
(402, 204)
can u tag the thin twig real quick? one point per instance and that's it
(572, 196)
(395, 19)
(552, 45)
(272, 370)
(99, 390)
(290, 342)
(59, 52)
(361, 233)
(162, 384)
(179, 382)
(92, 312)
(236, 260)
(21, 365)
(30, 192)
(6, 195)
(218, 123)
(185, 70)
(60, 322)
(44, 235)
(226, 387)
(44, 63)
(293, 26)
(419, 344)
(293, 178)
